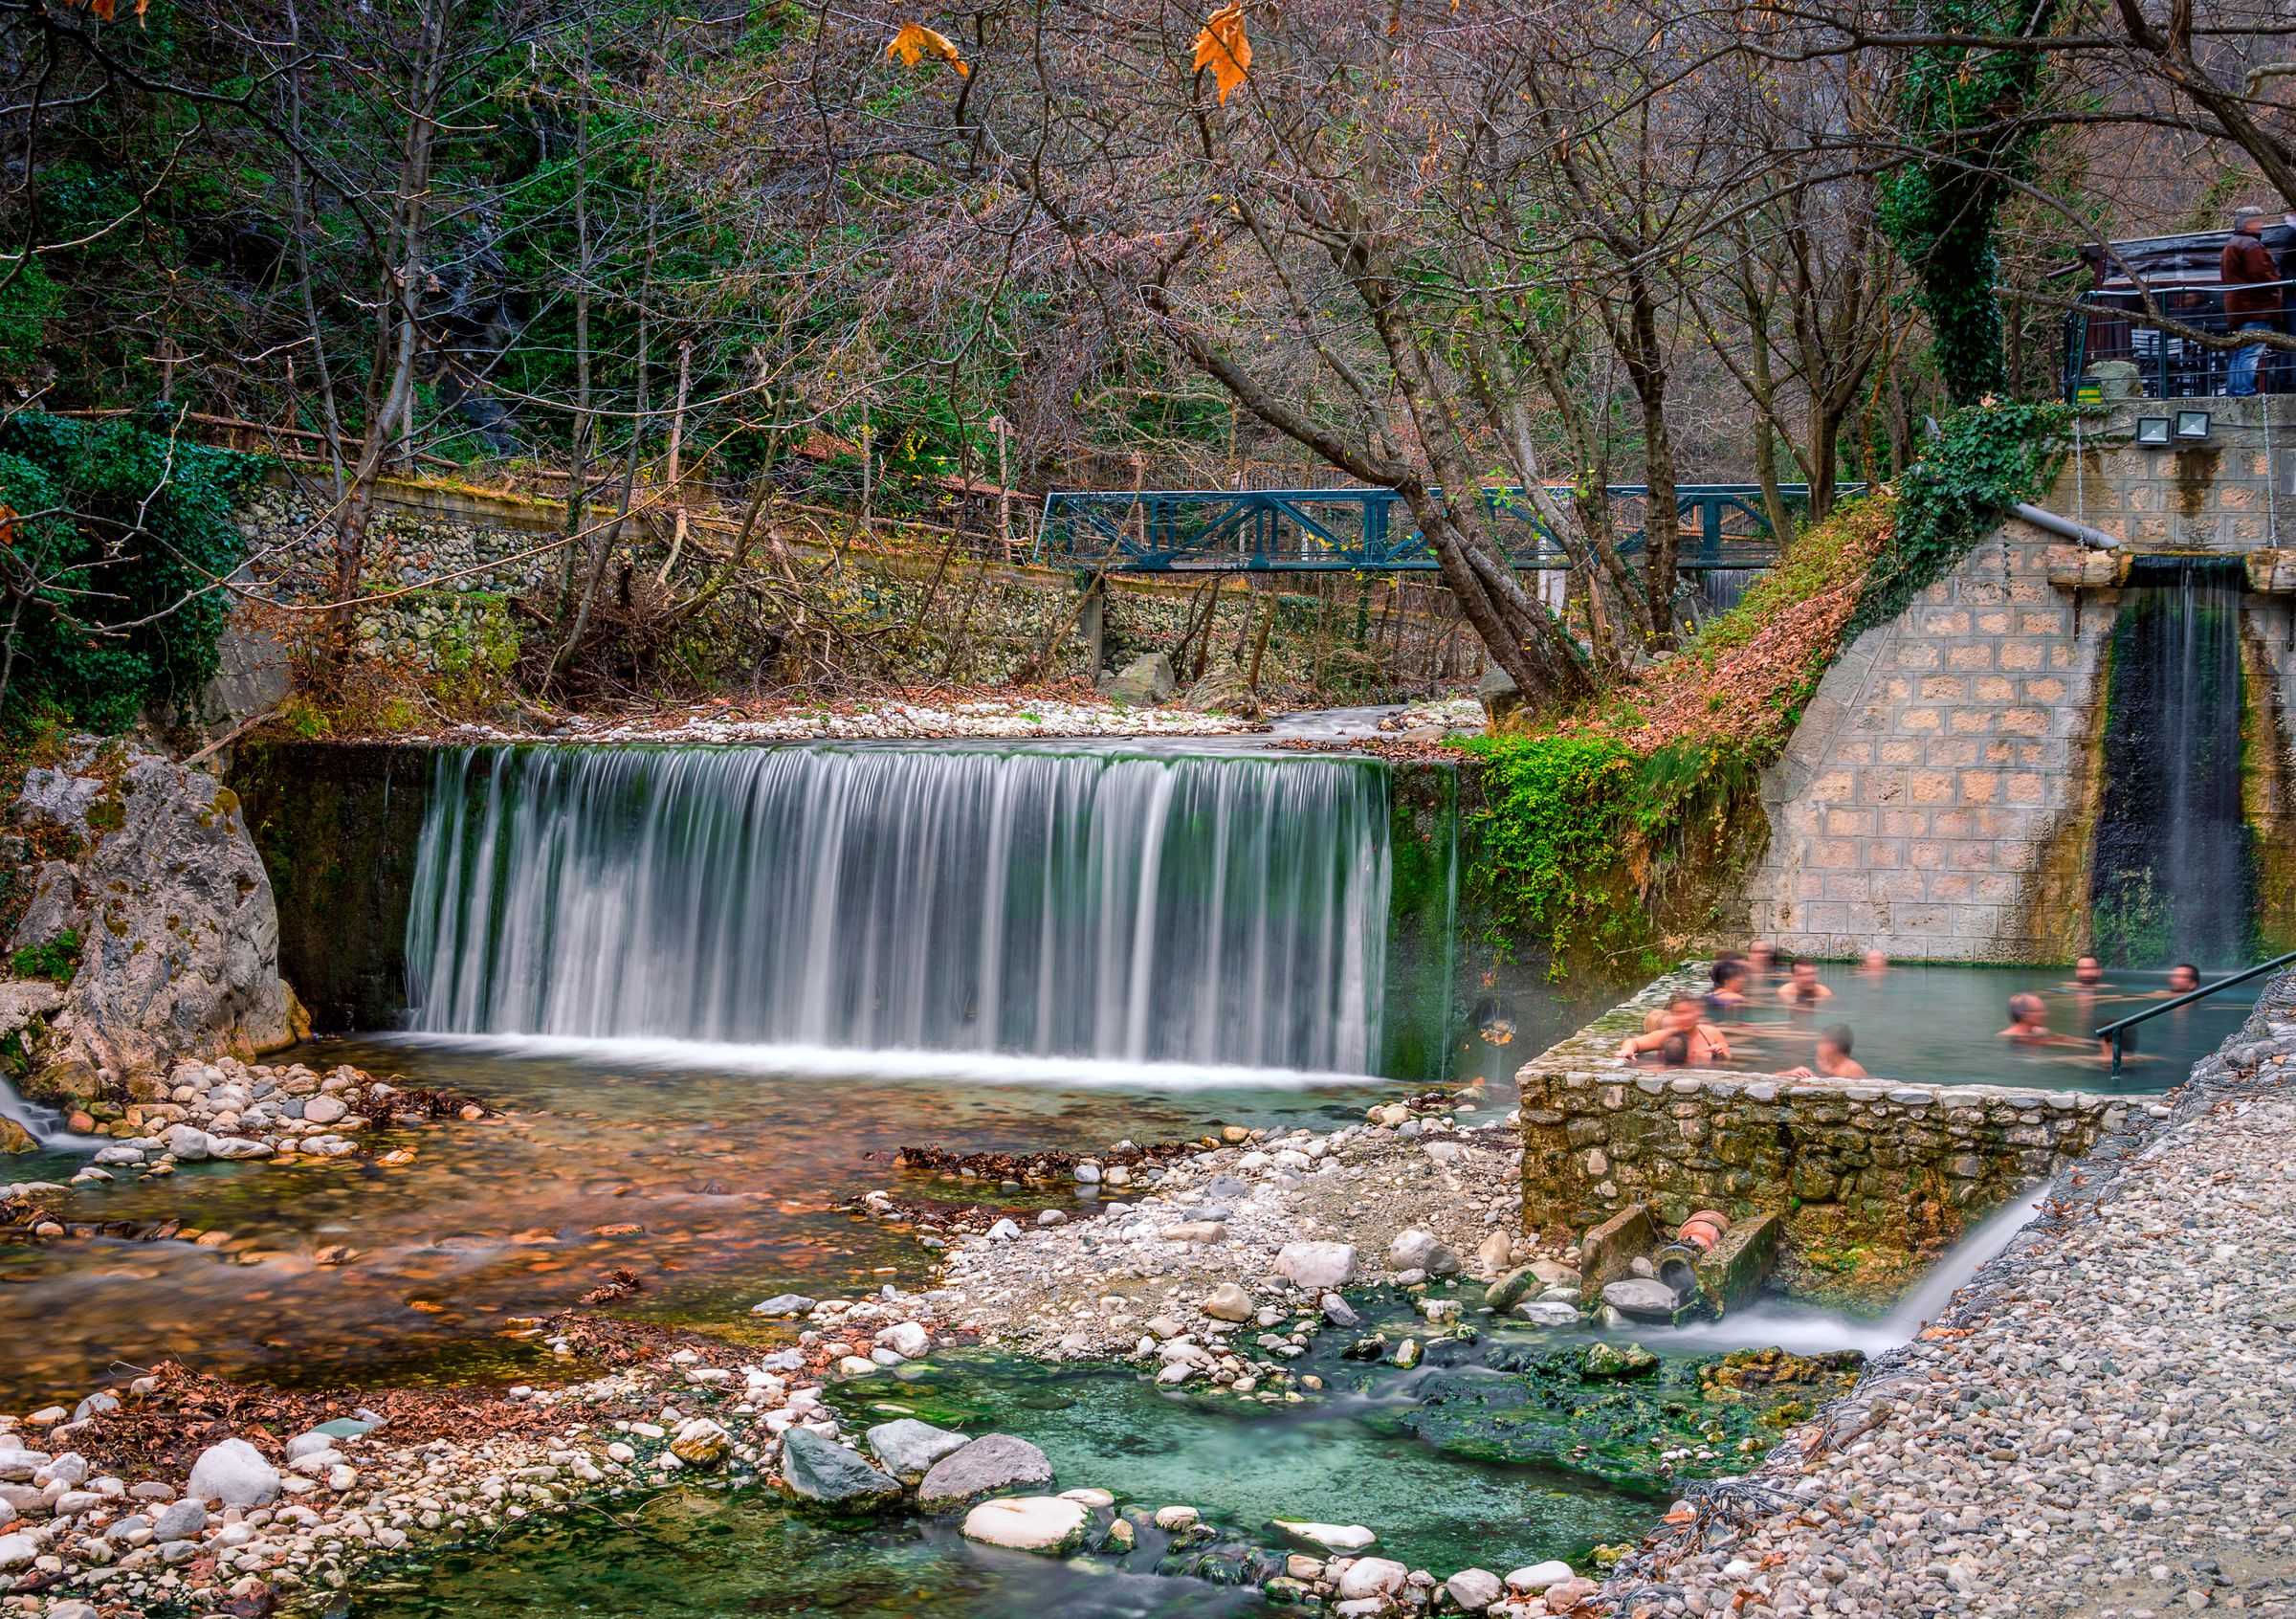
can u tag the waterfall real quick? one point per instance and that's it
(2174, 879)
(44, 1125)
(1225, 911)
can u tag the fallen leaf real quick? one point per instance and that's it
(1223, 48)
(916, 42)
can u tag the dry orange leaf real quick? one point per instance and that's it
(1223, 48)
(7, 526)
(916, 42)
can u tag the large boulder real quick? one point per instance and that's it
(1145, 680)
(825, 1473)
(179, 953)
(993, 1463)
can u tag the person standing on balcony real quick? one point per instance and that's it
(2252, 298)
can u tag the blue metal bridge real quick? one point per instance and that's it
(1723, 526)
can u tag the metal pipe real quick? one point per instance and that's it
(2095, 539)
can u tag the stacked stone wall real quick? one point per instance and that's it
(457, 557)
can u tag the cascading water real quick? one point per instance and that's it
(1228, 910)
(44, 1125)
(2174, 878)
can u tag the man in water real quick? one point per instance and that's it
(2089, 973)
(1833, 1060)
(1801, 987)
(2183, 978)
(1875, 964)
(2029, 1023)
(1703, 1045)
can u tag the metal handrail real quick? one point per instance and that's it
(2170, 366)
(1241, 529)
(2112, 1031)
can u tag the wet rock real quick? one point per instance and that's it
(234, 1474)
(825, 1473)
(1510, 1290)
(908, 1339)
(1228, 1303)
(17, 1551)
(702, 1443)
(1641, 1299)
(1548, 1313)
(1317, 1266)
(995, 1461)
(1338, 1311)
(907, 1447)
(325, 1110)
(1474, 1589)
(1330, 1537)
(782, 1305)
(1034, 1524)
(1616, 1359)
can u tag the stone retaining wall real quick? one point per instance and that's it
(1888, 1167)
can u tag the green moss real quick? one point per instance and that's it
(58, 959)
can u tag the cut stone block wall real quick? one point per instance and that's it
(1845, 1161)
(1931, 781)
(2228, 492)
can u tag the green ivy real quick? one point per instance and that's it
(1985, 460)
(143, 529)
(1959, 107)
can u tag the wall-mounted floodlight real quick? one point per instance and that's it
(2152, 432)
(2192, 424)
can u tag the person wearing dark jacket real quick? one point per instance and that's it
(2252, 299)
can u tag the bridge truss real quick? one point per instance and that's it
(1723, 526)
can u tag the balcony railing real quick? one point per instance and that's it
(2115, 325)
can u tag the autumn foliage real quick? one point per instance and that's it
(1223, 48)
(916, 42)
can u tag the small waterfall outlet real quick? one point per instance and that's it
(2173, 878)
(1228, 910)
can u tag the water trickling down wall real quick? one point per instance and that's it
(1207, 910)
(2173, 879)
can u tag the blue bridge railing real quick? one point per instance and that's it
(1723, 526)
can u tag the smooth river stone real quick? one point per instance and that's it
(1031, 1523)
(824, 1471)
(995, 1461)
(907, 1448)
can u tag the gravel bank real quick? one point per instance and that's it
(2103, 1424)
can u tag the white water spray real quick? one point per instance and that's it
(1805, 1331)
